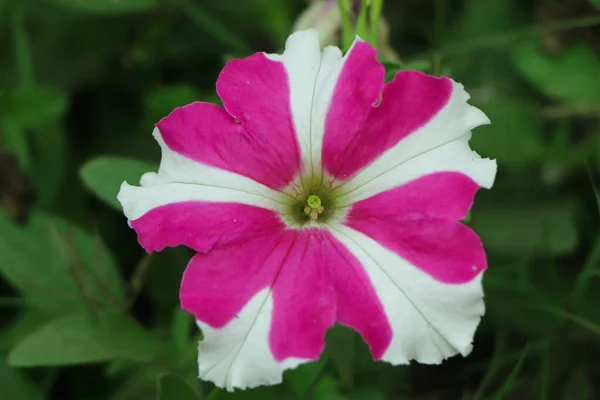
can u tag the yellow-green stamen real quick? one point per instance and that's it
(313, 201)
(314, 207)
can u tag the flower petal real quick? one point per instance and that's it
(447, 250)
(356, 93)
(358, 305)
(431, 320)
(388, 172)
(417, 114)
(257, 144)
(442, 194)
(200, 225)
(263, 305)
(256, 92)
(418, 221)
(185, 200)
(314, 76)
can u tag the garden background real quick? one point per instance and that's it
(85, 314)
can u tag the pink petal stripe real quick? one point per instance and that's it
(256, 91)
(357, 90)
(304, 300)
(442, 194)
(358, 304)
(201, 225)
(418, 222)
(255, 137)
(314, 279)
(445, 249)
(407, 103)
(218, 284)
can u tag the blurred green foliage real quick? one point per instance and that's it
(84, 314)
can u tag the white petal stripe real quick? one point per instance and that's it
(430, 320)
(431, 148)
(182, 179)
(455, 156)
(312, 76)
(238, 355)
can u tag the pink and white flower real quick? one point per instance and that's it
(319, 195)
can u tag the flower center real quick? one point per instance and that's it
(314, 207)
(314, 203)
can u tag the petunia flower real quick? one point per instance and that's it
(319, 195)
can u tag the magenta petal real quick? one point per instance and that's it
(304, 300)
(217, 285)
(418, 222)
(256, 91)
(255, 137)
(442, 194)
(201, 225)
(407, 103)
(357, 90)
(447, 250)
(358, 304)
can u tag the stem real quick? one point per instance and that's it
(588, 270)
(213, 26)
(21, 47)
(376, 7)
(361, 22)
(138, 278)
(347, 30)
(505, 389)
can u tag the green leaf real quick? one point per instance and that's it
(595, 3)
(370, 393)
(34, 108)
(15, 386)
(573, 75)
(172, 386)
(27, 321)
(340, 348)
(104, 176)
(14, 138)
(301, 379)
(544, 228)
(108, 7)
(59, 267)
(84, 338)
(328, 388)
(511, 123)
(34, 116)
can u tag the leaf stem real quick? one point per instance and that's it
(21, 47)
(213, 26)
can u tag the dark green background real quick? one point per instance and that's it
(84, 314)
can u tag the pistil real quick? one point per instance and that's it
(313, 207)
